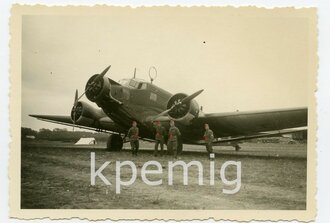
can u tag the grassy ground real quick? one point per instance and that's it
(58, 176)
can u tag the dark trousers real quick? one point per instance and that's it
(134, 146)
(172, 147)
(161, 143)
(209, 147)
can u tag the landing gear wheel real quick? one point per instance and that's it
(237, 148)
(115, 143)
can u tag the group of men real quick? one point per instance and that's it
(173, 137)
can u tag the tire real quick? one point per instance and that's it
(237, 148)
(115, 143)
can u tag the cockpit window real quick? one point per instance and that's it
(124, 82)
(133, 83)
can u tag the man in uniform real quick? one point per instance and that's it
(173, 135)
(133, 135)
(208, 137)
(159, 137)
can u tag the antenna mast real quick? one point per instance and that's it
(152, 77)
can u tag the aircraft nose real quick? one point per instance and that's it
(97, 84)
(96, 87)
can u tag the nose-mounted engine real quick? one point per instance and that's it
(97, 87)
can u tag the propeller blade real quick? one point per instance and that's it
(82, 94)
(164, 112)
(105, 71)
(190, 97)
(75, 98)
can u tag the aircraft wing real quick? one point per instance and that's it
(254, 123)
(220, 141)
(104, 124)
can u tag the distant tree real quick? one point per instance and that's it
(59, 134)
(44, 133)
(60, 130)
(44, 130)
(28, 132)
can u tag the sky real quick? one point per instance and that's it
(243, 59)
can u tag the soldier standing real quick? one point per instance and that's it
(159, 137)
(174, 133)
(208, 137)
(133, 135)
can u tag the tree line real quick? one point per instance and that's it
(59, 134)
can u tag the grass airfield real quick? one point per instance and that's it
(56, 175)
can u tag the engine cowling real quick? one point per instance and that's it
(97, 88)
(183, 112)
(85, 114)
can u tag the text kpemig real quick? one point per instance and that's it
(232, 186)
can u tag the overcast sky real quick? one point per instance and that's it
(245, 60)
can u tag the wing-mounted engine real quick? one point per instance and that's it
(86, 115)
(182, 110)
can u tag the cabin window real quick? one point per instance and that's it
(143, 86)
(126, 94)
(153, 96)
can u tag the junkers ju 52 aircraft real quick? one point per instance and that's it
(134, 99)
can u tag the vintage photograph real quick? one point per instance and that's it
(163, 112)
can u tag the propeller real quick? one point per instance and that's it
(180, 104)
(94, 82)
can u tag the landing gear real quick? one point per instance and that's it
(115, 143)
(237, 148)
